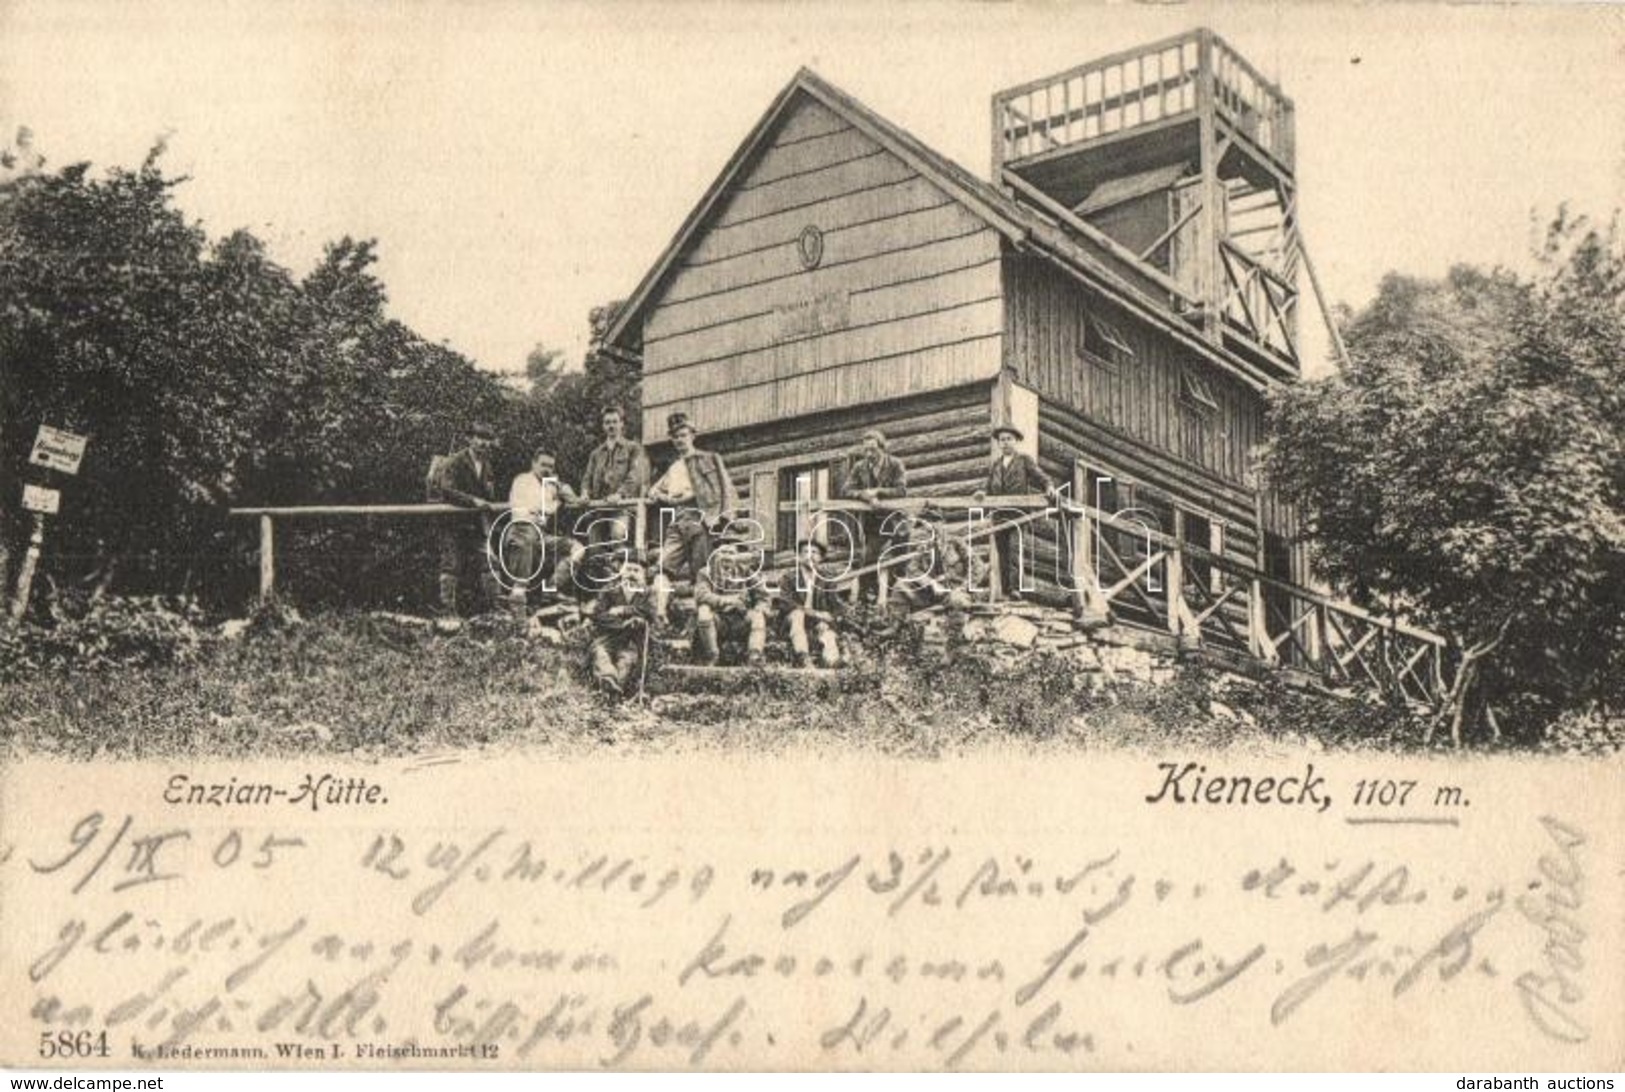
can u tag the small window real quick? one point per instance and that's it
(809, 483)
(1195, 392)
(1104, 341)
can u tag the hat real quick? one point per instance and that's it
(676, 422)
(481, 431)
(813, 542)
(877, 436)
(930, 513)
(1000, 430)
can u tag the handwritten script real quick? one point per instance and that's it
(506, 936)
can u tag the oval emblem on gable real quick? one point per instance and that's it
(810, 244)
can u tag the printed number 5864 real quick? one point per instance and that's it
(72, 1044)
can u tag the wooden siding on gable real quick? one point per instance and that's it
(1141, 398)
(905, 297)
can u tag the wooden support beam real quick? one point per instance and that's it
(995, 571)
(1325, 309)
(1207, 241)
(1258, 630)
(1131, 576)
(267, 557)
(1240, 293)
(1174, 572)
(1090, 603)
(1162, 240)
(1317, 635)
(1069, 219)
(298, 511)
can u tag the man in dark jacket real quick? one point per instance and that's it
(466, 479)
(809, 594)
(1012, 472)
(697, 496)
(617, 470)
(874, 475)
(620, 630)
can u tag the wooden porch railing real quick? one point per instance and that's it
(1117, 569)
(1198, 596)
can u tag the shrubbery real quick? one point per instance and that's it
(109, 632)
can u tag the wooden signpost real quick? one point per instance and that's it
(56, 450)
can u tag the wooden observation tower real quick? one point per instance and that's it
(1181, 154)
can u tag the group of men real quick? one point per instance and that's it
(733, 602)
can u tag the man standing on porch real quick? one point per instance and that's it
(617, 470)
(1013, 472)
(698, 497)
(873, 475)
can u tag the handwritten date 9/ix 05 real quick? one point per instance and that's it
(1193, 783)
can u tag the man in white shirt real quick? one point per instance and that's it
(532, 536)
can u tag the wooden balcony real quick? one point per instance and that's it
(1143, 100)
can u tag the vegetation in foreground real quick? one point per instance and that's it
(371, 684)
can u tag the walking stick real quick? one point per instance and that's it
(643, 662)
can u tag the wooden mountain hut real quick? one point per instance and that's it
(1123, 290)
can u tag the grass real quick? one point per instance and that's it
(367, 685)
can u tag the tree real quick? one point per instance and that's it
(544, 367)
(560, 411)
(1469, 466)
(205, 375)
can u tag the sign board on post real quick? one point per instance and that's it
(58, 450)
(37, 498)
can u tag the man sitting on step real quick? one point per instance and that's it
(806, 595)
(730, 604)
(620, 630)
(943, 570)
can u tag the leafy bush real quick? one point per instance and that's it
(113, 631)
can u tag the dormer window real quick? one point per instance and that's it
(1196, 393)
(1104, 341)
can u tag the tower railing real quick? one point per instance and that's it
(1138, 88)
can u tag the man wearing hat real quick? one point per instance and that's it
(697, 495)
(533, 540)
(809, 594)
(1012, 472)
(873, 474)
(620, 629)
(465, 479)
